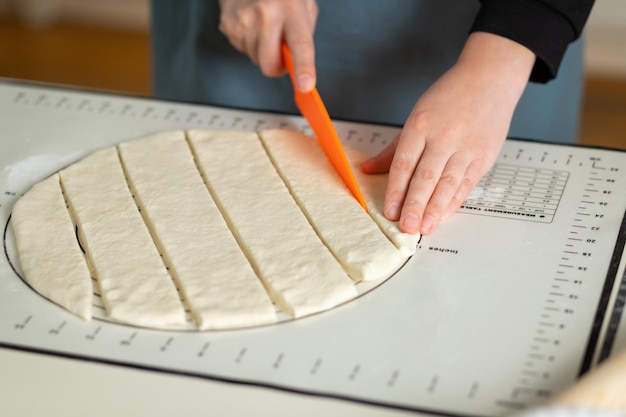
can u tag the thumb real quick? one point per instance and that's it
(380, 163)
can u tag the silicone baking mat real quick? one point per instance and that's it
(503, 306)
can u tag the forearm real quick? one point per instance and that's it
(498, 62)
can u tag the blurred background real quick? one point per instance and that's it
(105, 45)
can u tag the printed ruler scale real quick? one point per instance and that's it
(500, 309)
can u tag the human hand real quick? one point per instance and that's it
(257, 27)
(453, 134)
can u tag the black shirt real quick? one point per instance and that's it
(546, 27)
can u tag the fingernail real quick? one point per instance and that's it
(427, 225)
(305, 83)
(410, 223)
(393, 213)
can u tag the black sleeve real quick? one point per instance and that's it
(546, 27)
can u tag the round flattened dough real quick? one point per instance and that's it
(279, 229)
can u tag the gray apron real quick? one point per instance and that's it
(374, 58)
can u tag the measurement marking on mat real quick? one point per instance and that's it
(241, 354)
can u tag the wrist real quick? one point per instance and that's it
(498, 61)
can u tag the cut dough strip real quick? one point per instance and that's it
(217, 281)
(301, 275)
(373, 190)
(50, 257)
(229, 231)
(135, 286)
(359, 244)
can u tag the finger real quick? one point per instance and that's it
(250, 45)
(407, 153)
(312, 13)
(421, 187)
(299, 37)
(269, 55)
(237, 42)
(235, 24)
(447, 186)
(473, 174)
(381, 162)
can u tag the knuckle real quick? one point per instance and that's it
(436, 206)
(301, 41)
(312, 8)
(315, 10)
(245, 18)
(226, 26)
(413, 204)
(403, 163)
(418, 119)
(452, 131)
(268, 16)
(466, 185)
(465, 188)
(449, 180)
(456, 200)
(425, 174)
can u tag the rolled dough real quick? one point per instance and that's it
(301, 274)
(50, 257)
(134, 284)
(358, 244)
(217, 281)
(373, 190)
(233, 226)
